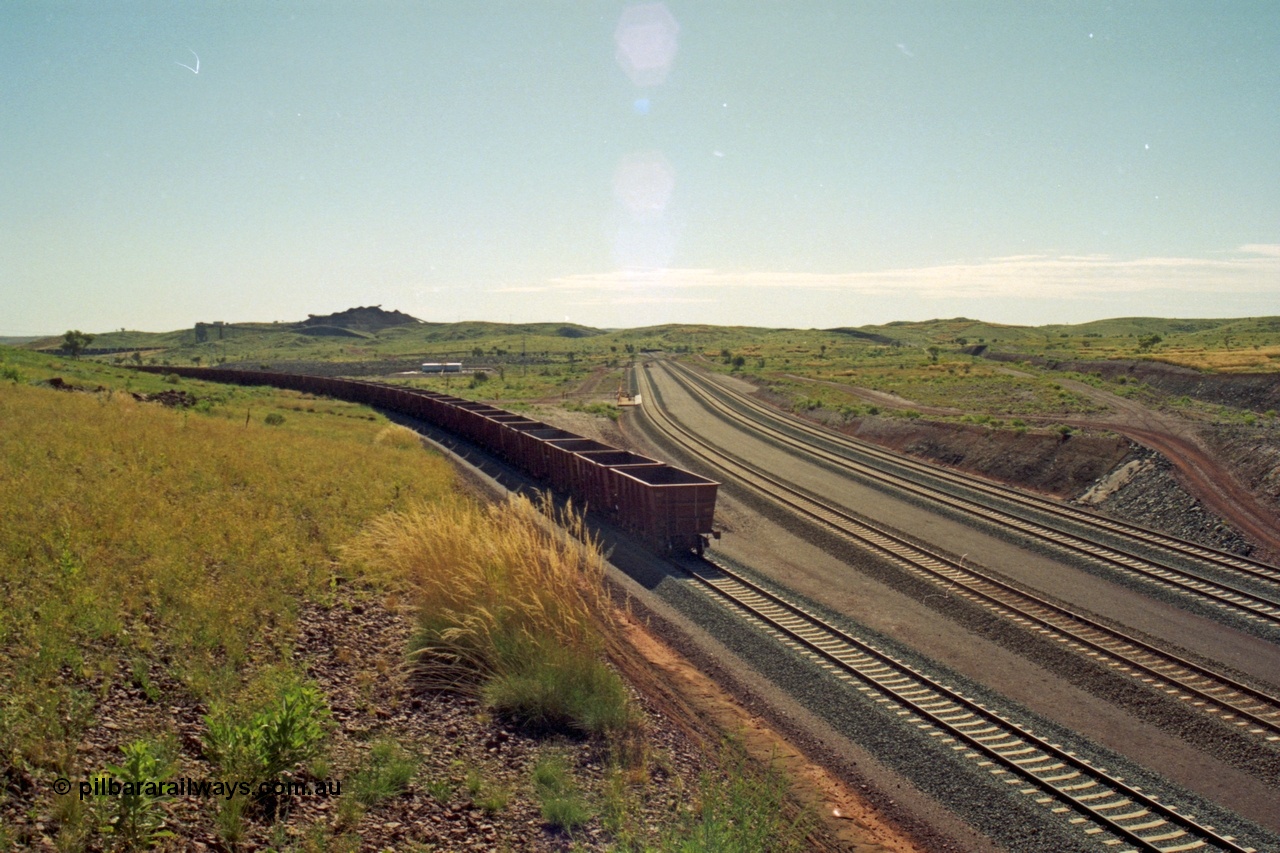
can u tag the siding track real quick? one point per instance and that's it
(1172, 546)
(1257, 600)
(1227, 700)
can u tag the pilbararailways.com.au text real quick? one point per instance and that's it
(104, 786)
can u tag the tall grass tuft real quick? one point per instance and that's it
(509, 608)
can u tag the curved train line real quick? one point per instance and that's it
(1254, 606)
(1225, 699)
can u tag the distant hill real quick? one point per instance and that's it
(370, 319)
(370, 334)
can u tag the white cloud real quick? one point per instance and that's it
(1269, 249)
(1253, 269)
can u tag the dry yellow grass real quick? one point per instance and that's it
(510, 608)
(1262, 359)
(489, 581)
(134, 532)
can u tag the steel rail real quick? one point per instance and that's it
(1250, 605)
(1095, 794)
(1181, 547)
(1240, 705)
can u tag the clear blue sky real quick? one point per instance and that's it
(784, 164)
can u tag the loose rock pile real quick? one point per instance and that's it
(1154, 498)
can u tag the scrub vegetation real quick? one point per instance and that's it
(163, 557)
(936, 363)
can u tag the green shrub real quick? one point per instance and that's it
(386, 773)
(562, 804)
(134, 816)
(558, 688)
(273, 740)
(273, 419)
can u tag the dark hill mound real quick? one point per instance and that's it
(866, 336)
(370, 319)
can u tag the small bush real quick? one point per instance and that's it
(562, 804)
(386, 773)
(509, 609)
(561, 689)
(273, 419)
(171, 378)
(134, 816)
(273, 740)
(484, 796)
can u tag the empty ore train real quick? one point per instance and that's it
(670, 509)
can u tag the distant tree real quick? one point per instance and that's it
(738, 362)
(76, 342)
(195, 359)
(137, 357)
(933, 354)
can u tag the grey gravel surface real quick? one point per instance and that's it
(1206, 738)
(1013, 820)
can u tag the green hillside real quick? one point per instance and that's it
(372, 334)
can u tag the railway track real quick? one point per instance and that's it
(1204, 555)
(1250, 604)
(1227, 700)
(1104, 808)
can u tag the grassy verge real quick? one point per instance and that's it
(164, 553)
(154, 563)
